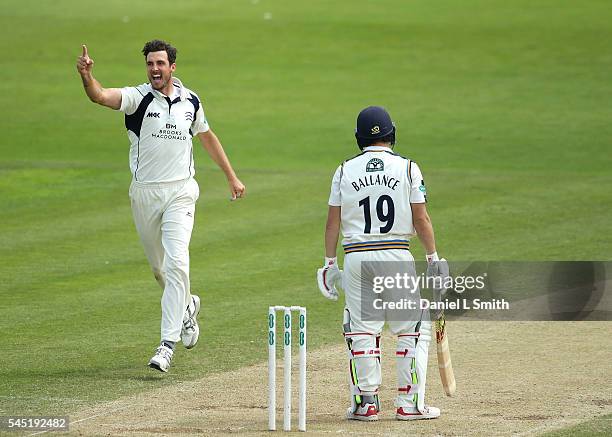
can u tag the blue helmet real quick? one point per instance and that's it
(374, 123)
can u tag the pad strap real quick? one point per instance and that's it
(364, 353)
(411, 389)
(406, 352)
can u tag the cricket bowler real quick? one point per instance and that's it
(161, 118)
(378, 200)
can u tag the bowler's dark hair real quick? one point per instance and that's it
(158, 45)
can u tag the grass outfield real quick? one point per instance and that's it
(506, 106)
(599, 427)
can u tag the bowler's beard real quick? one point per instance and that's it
(160, 84)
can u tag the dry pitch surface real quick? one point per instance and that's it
(512, 379)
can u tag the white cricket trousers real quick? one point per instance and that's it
(352, 285)
(413, 329)
(163, 215)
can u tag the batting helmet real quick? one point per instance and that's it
(374, 123)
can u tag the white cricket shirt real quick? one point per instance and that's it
(375, 190)
(160, 130)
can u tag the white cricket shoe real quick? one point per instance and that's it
(191, 331)
(408, 413)
(162, 358)
(366, 412)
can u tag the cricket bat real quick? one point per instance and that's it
(444, 359)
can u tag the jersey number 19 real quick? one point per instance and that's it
(385, 218)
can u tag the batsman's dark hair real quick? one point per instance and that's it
(364, 142)
(158, 45)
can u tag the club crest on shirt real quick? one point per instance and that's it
(375, 164)
(188, 116)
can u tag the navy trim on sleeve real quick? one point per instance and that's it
(196, 106)
(133, 122)
(410, 171)
(195, 102)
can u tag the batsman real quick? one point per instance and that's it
(378, 200)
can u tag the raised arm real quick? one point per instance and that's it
(110, 97)
(213, 146)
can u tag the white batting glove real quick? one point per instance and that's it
(437, 269)
(327, 277)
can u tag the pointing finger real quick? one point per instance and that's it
(85, 50)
